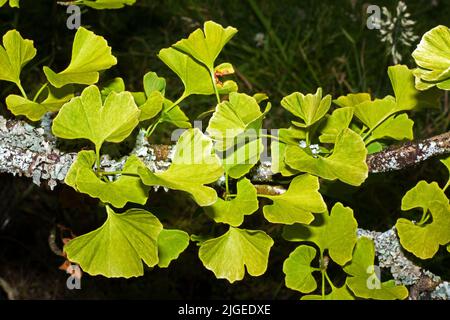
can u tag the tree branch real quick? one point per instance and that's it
(33, 152)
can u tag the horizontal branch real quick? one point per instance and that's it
(33, 152)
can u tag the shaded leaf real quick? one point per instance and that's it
(171, 243)
(363, 280)
(423, 239)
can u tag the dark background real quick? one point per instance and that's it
(306, 44)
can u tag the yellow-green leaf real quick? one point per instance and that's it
(335, 232)
(119, 246)
(171, 243)
(233, 211)
(334, 124)
(298, 270)
(238, 249)
(205, 45)
(86, 117)
(352, 99)
(90, 54)
(433, 59)
(14, 55)
(34, 111)
(396, 127)
(125, 188)
(310, 108)
(193, 166)
(363, 279)
(347, 162)
(423, 239)
(297, 203)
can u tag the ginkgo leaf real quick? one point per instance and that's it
(298, 270)
(406, 94)
(446, 163)
(347, 162)
(423, 239)
(14, 55)
(297, 203)
(195, 77)
(352, 99)
(205, 45)
(171, 243)
(153, 105)
(342, 293)
(335, 232)
(12, 3)
(174, 116)
(231, 118)
(396, 127)
(106, 4)
(242, 157)
(119, 246)
(233, 211)
(433, 59)
(310, 108)
(334, 124)
(154, 83)
(373, 113)
(292, 135)
(238, 249)
(85, 117)
(124, 189)
(116, 85)
(363, 280)
(90, 54)
(34, 111)
(193, 165)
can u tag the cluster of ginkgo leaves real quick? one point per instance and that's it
(322, 142)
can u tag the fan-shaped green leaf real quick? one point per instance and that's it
(12, 3)
(174, 116)
(90, 54)
(230, 254)
(205, 45)
(14, 55)
(297, 203)
(34, 111)
(433, 59)
(334, 124)
(106, 4)
(195, 77)
(310, 108)
(363, 280)
(126, 188)
(193, 165)
(347, 162)
(233, 211)
(396, 127)
(352, 99)
(171, 243)
(298, 270)
(117, 248)
(85, 117)
(335, 232)
(423, 239)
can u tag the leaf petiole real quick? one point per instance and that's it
(213, 79)
(38, 93)
(22, 91)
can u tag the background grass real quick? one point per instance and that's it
(305, 44)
